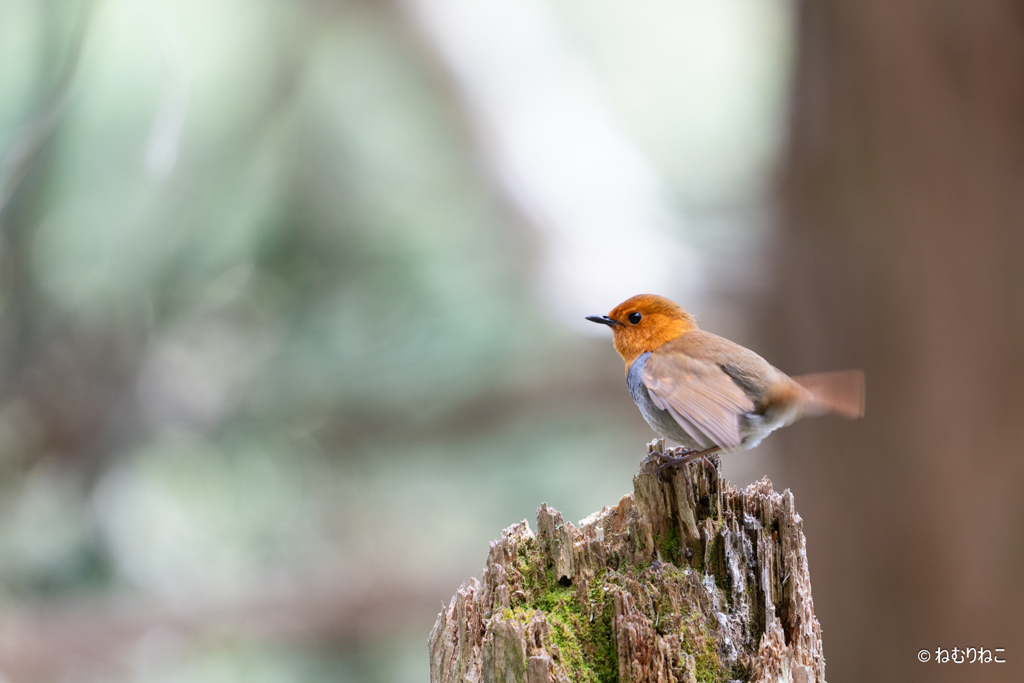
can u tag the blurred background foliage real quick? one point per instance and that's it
(277, 358)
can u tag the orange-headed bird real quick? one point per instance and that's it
(708, 393)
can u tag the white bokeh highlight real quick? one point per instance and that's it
(558, 152)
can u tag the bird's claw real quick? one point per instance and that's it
(678, 457)
(681, 456)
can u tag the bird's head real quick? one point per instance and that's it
(644, 323)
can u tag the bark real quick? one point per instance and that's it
(687, 579)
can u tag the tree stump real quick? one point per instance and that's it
(687, 579)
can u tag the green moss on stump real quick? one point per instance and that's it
(700, 644)
(581, 630)
(582, 633)
(669, 545)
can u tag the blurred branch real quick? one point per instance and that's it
(49, 642)
(76, 374)
(27, 333)
(37, 131)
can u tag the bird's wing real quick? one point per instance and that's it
(702, 398)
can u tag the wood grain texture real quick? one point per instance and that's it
(687, 579)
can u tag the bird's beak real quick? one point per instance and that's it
(603, 319)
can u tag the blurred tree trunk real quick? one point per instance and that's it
(902, 251)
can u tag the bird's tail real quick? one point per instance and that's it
(840, 393)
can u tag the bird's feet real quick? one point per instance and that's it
(680, 456)
(673, 457)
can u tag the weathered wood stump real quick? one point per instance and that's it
(686, 579)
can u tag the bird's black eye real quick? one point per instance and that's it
(634, 317)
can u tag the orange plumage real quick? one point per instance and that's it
(708, 393)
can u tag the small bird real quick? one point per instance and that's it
(708, 393)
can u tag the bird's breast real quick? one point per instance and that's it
(661, 421)
(635, 382)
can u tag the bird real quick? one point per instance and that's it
(709, 394)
